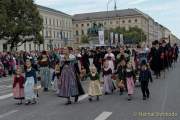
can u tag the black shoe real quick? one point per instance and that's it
(148, 96)
(144, 98)
(121, 93)
(129, 98)
(106, 93)
(97, 98)
(45, 89)
(68, 103)
(34, 101)
(27, 102)
(76, 99)
(90, 99)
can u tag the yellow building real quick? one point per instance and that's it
(120, 18)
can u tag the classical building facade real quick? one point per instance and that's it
(120, 18)
(61, 29)
(57, 31)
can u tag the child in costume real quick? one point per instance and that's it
(130, 77)
(30, 84)
(94, 84)
(18, 86)
(144, 78)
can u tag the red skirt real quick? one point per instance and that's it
(18, 92)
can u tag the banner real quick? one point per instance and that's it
(101, 37)
(116, 38)
(121, 39)
(112, 38)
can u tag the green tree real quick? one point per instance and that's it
(20, 22)
(84, 39)
(133, 35)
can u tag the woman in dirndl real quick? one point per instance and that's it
(68, 83)
(18, 86)
(110, 58)
(109, 86)
(45, 71)
(30, 84)
(94, 84)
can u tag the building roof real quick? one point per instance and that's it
(52, 10)
(109, 14)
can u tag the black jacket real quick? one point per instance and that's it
(145, 75)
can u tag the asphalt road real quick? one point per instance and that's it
(165, 99)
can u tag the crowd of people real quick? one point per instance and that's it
(115, 69)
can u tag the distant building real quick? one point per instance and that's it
(120, 18)
(57, 32)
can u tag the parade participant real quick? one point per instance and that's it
(154, 59)
(130, 79)
(121, 81)
(175, 52)
(108, 83)
(18, 86)
(97, 60)
(85, 60)
(110, 58)
(45, 71)
(30, 84)
(144, 78)
(68, 83)
(94, 84)
(56, 76)
(122, 55)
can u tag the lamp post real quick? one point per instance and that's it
(115, 7)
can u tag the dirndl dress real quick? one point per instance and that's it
(29, 89)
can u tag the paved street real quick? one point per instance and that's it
(165, 96)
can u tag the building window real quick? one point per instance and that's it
(76, 25)
(49, 21)
(53, 22)
(46, 33)
(82, 25)
(117, 22)
(82, 32)
(29, 47)
(54, 34)
(123, 21)
(135, 20)
(104, 23)
(46, 21)
(77, 33)
(57, 22)
(129, 21)
(88, 24)
(110, 22)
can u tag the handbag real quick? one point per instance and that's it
(121, 84)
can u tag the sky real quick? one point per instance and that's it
(165, 12)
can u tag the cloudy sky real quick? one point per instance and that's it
(166, 12)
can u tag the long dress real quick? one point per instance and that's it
(45, 74)
(94, 88)
(108, 86)
(18, 88)
(30, 81)
(111, 58)
(130, 77)
(68, 83)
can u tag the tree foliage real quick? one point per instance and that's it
(84, 39)
(20, 22)
(134, 35)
